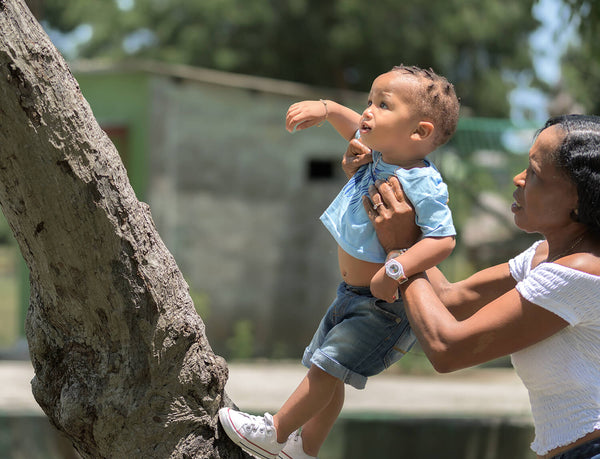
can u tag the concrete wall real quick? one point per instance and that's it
(231, 195)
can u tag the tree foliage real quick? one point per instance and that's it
(588, 14)
(581, 76)
(336, 43)
(581, 62)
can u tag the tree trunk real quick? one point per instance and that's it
(122, 364)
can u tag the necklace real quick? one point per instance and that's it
(562, 254)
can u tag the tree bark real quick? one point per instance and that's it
(122, 364)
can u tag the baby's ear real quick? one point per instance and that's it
(424, 130)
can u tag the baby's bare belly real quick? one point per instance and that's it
(354, 271)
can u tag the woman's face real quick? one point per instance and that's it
(545, 196)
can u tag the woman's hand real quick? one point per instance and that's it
(357, 154)
(392, 215)
(305, 114)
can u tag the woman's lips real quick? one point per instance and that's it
(515, 205)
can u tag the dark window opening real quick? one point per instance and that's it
(321, 169)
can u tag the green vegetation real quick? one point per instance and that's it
(201, 303)
(414, 363)
(482, 46)
(241, 345)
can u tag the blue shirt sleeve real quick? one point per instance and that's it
(428, 193)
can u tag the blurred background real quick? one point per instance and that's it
(194, 93)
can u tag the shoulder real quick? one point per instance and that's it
(584, 262)
(570, 293)
(422, 180)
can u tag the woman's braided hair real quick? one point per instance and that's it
(578, 155)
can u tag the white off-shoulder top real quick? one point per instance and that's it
(562, 372)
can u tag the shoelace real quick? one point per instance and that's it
(296, 436)
(259, 424)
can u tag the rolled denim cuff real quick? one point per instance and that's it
(334, 368)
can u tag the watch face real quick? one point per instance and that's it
(394, 269)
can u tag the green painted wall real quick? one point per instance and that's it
(122, 99)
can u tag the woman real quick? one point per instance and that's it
(542, 307)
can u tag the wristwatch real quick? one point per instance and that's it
(395, 270)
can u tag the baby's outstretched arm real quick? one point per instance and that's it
(307, 113)
(425, 254)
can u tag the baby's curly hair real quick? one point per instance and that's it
(434, 100)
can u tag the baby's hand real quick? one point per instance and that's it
(384, 287)
(305, 114)
(357, 154)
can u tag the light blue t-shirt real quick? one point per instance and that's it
(347, 220)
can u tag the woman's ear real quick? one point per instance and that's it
(423, 131)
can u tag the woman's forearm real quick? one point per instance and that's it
(466, 297)
(450, 344)
(431, 321)
(507, 324)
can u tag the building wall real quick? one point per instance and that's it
(121, 103)
(232, 197)
(234, 200)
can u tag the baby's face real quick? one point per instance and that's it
(388, 121)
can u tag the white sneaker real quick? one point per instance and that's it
(254, 434)
(293, 448)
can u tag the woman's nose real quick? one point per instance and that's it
(519, 179)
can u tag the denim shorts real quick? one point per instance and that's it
(588, 450)
(360, 336)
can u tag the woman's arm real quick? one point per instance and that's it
(503, 326)
(394, 222)
(479, 319)
(357, 154)
(465, 297)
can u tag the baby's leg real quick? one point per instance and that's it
(315, 393)
(315, 431)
